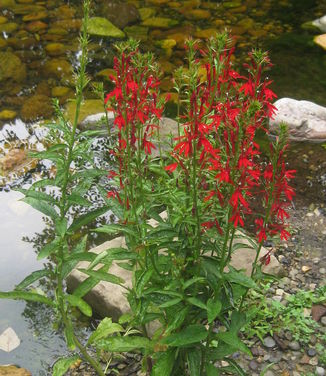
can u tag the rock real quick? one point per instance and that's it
(294, 345)
(12, 159)
(321, 40)
(7, 115)
(93, 121)
(243, 258)
(35, 16)
(320, 371)
(9, 340)
(36, 106)
(13, 370)
(305, 268)
(323, 320)
(317, 311)
(311, 352)
(102, 27)
(232, 4)
(269, 342)
(58, 68)
(253, 365)
(22, 9)
(11, 67)
(205, 34)
(146, 13)
(7, 4)
(36, 26)
(197, 14)
(160, 22)
(105, 298)
(88, 107)
(306, 120)
(8, 27)
(322, 270)
(320, 23)
(137, 32)
(55, 49)
(120, 14)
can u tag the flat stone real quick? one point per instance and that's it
(7, 114)
(306, 120)
(13, 371)
(294, 345)
(269, 342)
(320, 371)
(320, 23)
(102, 27)
(321, 40)
(160, 22)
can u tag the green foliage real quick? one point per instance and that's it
(268, 316)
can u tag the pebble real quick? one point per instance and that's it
(320, 371)
(253, 365)
(305, 268)
(322, 270)
(311, 352)
(269, 342)
(269, 373)
(323, 320)
(294, 345)
(313, 361)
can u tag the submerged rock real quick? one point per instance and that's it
(120, 14)
(11, 67)
(12, 159)
(160, 22)
(7, 115)
(88, 107)
(13, 371)
(35, 107)
(58, 68)
(306, 120)
(102, 27)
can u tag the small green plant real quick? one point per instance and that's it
(268, 316)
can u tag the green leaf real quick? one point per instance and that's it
(164, 363)
(80, 246)
(69, 336)
(48, 249)
(170, 303)
(142, 281)
(194, 361)
(61, 227)
(62, 365)
(76, 199)
(103, 276)
(223, 350)
(238, 320)
(26, 295)
(35, 276)
(75, 301)
(123, 344)
(197, 302)
(42, 207)
(211, 370)
(88, 284)
(191, 334)
(178, 320)
(213, 309)
(192, 281)
(104, 329)
(231, 338)
(236, 276)
(87, 218)
(38, 195)
(235, 366)
(115, 229)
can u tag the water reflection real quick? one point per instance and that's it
(40, 344)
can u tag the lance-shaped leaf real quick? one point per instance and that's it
(33, 277)
(75, 301)
(49, 248)
(62, 365)
(87, 218)
(105, 328)
(103, 276)
(26, 295)
(164, 363)
(190, 335)
(42, 207)
(115, 229)
(213, 309)
(123, 344)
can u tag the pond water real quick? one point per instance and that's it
(38, 51)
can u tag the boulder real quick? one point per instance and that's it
(37, 106)
(320, 23)
(306, 120)
(102, 27)
(120, 14)
(11, 67)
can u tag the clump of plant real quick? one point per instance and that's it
(183, 279)
(268, 316)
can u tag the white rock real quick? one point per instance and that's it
(9, 340)
(320, 23)
(306, 120)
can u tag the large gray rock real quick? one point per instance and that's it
(120, 14)
(108, 299)
(306, 120)
(320, 23)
